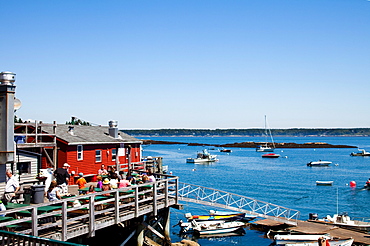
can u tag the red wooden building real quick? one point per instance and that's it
(86, 148)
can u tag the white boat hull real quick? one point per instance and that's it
(200, 160)
(319, 163)
(211, 227)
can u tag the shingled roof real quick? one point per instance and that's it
(89, 134)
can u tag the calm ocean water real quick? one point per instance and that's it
(284, 181)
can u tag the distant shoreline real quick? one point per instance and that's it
(339, 132)
(253, 144)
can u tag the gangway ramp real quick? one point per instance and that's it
(226, 200)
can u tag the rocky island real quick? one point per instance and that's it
(255, 144)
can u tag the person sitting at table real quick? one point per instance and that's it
(130, 177)
(102, 170)
(144, 179)
(114, 181)
(53, 193)
(100, 182)
(150, 176)
(91, 189)
(106, 186)
(81, 182)
(121, 175)
(111, 171)
(124, 183)
(2, 208)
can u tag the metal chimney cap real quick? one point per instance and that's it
(7, 78)
(113, 123)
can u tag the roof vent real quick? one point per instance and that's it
(71, 130)
(113, 129)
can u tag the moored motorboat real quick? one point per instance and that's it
(310, 240)
(246, 218)
(319, 163)
(226, 217)
(271, 155)
(211, 227)
(324, 182)
(361, 152)
(203, 157)
(226, 150)
(343, 220)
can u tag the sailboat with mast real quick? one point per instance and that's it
(264, 147)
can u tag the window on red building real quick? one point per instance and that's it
(97, 155)
(114, 154)
(80, 155)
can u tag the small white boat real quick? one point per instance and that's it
(271, 155)
(246, 217)
(203, 157)
(318, 163)
(310, 240)
(324, 182)
(211, 227)
(343, 220)
(361, 152)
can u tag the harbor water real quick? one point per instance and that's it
(286, 181)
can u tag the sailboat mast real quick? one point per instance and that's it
(272, 140)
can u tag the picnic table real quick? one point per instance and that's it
(86, 189)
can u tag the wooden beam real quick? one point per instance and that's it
(153, 230)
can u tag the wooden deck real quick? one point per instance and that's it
(60, 220)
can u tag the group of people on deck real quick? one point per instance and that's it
(106, 180)
(111, 179)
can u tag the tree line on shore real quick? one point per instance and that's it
(297, 132)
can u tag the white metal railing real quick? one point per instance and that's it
(218, 198)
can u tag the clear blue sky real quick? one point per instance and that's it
(190, 64)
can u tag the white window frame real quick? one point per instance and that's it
(114, 154)
(98, 155)
(80, 154)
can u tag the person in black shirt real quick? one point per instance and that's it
(62, 177)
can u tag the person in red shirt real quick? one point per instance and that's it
(81, 182)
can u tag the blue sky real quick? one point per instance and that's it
(190, 64)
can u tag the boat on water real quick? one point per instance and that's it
(344, 221)
(211, 227)
(319, 163)
(271, 155)
(226, 150)
(226, 217)
(310, 240)
(328, 183)
(203, 157)
(361, 152)
(246, 218)
(264, 147)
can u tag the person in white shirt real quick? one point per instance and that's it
(11, 187)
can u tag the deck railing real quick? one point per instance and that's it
(110, 207)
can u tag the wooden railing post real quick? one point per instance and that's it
(34, 221)
(116, 207)
(64, 221)
(92, 216)
(155, 212)
(166, 193)
(136, 201)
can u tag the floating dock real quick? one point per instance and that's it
(317, 228)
